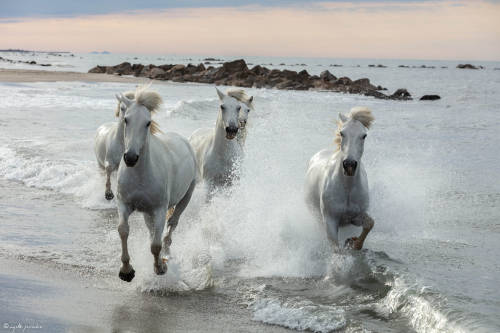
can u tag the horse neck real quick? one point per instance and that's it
(221, 145)
(120, 131)
(338, 172)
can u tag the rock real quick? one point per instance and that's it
(364, 84)
(401, 94)
(234, 66)
(345, 81)
(430, 97)
(467, 66)
(327, 76)
(157, 73)
(98, 69)
(236, 73)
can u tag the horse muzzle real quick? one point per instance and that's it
(350, 167)
(130, 159)
(231, 132)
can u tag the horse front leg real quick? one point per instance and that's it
(332, 230)
(157, 224)
(367, 223)
(108, 194)
(127, 273)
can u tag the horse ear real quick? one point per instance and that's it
(220, 93)
(343, 118)
(123, 99)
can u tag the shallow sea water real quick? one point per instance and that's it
(429, 265)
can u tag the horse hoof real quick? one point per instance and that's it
(161, 270)
(127, 276)
(353, 243)
(109, 195)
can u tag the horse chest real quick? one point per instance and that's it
(338, 201)
(142, 195)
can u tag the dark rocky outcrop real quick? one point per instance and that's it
(469, 66)
(237, 73)
(430, 97)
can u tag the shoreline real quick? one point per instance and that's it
(32, 75)
(40, 297)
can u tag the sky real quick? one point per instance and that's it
(413, 29)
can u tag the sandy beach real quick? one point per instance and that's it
(27, 75)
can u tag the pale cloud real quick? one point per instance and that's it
(426, 30)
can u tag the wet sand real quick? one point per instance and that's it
(50, 299)
(28, 75)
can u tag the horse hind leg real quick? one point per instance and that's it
(108, 194)
(174, 218)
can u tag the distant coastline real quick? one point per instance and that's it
(31, 51)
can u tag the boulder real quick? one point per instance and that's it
(327, 76)
(430, 97)
(364, 84)
(98, 69)
(344, 81)
(125, 68)
(467, 66)
(401, 94)
(157, 73)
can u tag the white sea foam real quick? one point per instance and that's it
(299, 314)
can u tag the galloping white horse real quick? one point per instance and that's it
(108, 145)
(246, 104)
(336, 184)
(217, 152)
(158, 173)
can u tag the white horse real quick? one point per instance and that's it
(217, 152)
(108, 145)
(246, 104)
(158, 174)
(336, 186)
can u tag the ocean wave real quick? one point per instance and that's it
(76, 177)
(299, 315)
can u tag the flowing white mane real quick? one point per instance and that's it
(149, 99)
(359, 113)
(241, 96)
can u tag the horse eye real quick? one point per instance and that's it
(126, 121)
(364, 136)
(341, 134)
(222, 107)
(239, 108)
(148, 124)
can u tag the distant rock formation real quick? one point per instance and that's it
(236, 73)
(32, 62)
(430, 97)
(469, 66)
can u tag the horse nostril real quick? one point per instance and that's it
(350, 164)
(232, 129)
(130, 159)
